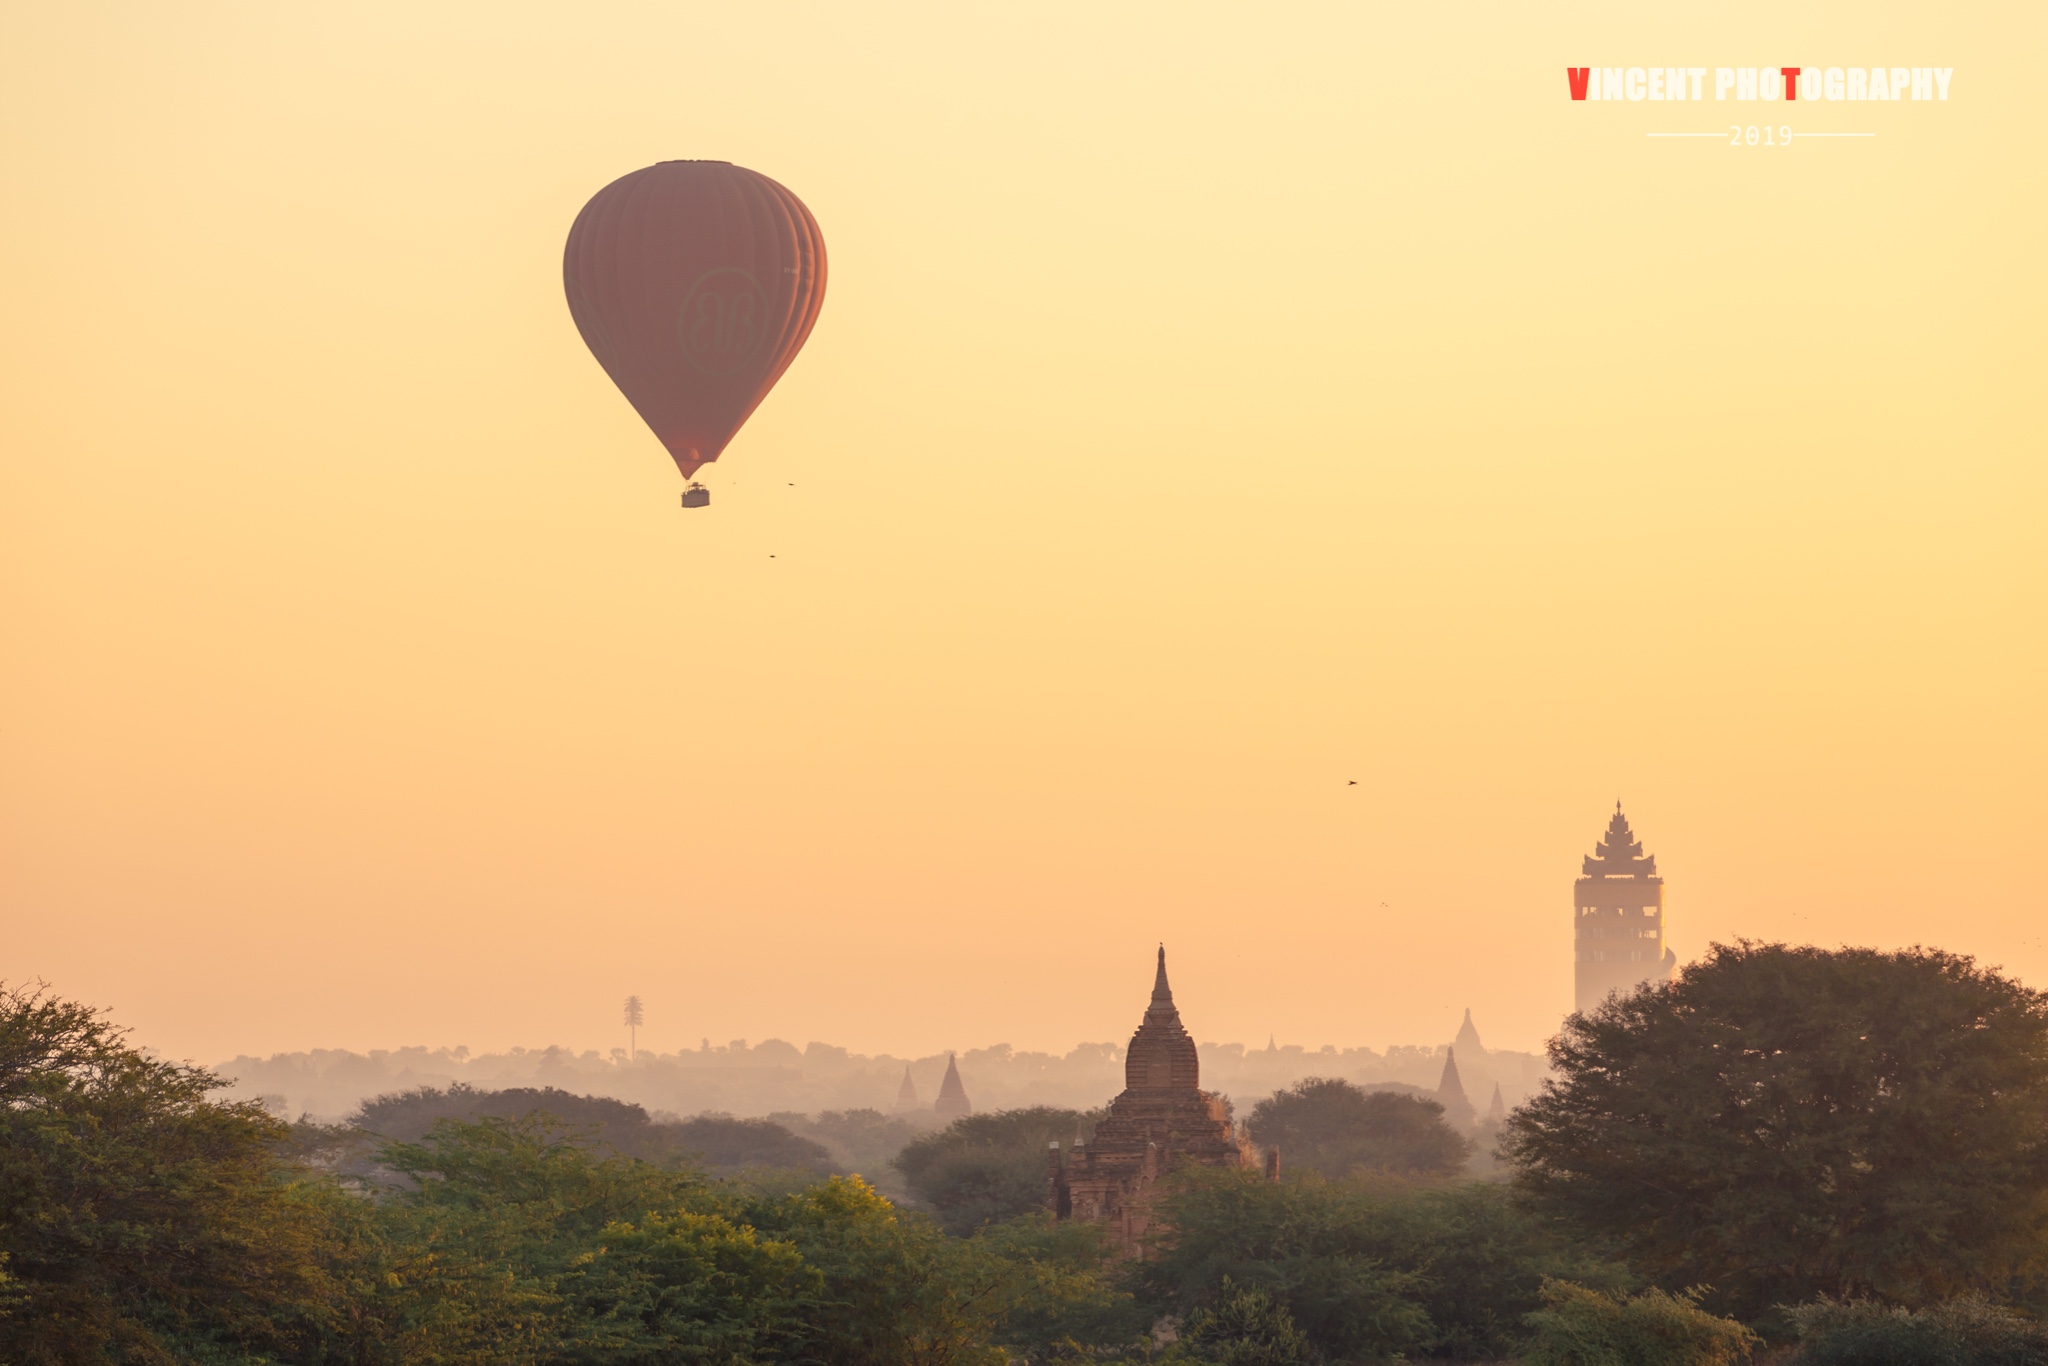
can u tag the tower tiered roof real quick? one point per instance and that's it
(1620, 853)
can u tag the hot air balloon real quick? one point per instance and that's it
(694, 283)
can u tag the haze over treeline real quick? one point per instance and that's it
(775, 1077)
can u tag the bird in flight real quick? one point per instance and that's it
(1352, 783)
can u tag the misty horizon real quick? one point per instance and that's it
(774, 1076)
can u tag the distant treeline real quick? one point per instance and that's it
(772, 1077)
(777, 1149)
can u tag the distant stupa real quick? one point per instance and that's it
(1497, 1111)
(1475, 1070)
(906, 1094)
(1467, 1041)
(952, 1101)
(1450, 1093)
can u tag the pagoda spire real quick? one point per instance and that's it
(1450, 1088)
(1161, 1054)
(906, 1094)
(952, 1094)
(1162, 994)
(1450, 1093)
(1468, 1038)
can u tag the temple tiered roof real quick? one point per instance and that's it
(1162, 1053)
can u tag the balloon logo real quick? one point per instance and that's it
(695, 284)
(722, 320)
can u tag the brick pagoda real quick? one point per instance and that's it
(1162, 1119)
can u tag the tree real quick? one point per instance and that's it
(510, 1244)
(984, 1168)
(685, 1287)
(1333, 1127)
(139, 1220)
(1367, 1268)
(1786, 1122)
(1246, 1328)
(1582, 1327)
(720, 1143)
(895, 1291)
(1967, 1331)
(717, 1143)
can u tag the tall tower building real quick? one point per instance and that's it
(1618, 926)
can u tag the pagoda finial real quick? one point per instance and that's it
(1162, 994)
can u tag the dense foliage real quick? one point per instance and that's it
(1367, 1269)
(717, 1143)
(1578, 1326)
(1782, 1123)
(141, 1221)
(1967, 1331)
(990, 1167)
(134, 1212)
(1333, 1127)
(1247, 1327)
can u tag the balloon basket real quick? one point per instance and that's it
(696, 496)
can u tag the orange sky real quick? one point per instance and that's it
(1210, 407)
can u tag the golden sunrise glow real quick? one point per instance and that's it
(1211, 408)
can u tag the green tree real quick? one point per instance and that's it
(984, 1168)
(1485, 1259)
(508, 1243)
(1328, 1125)
(1245, 1327)
(684, 1288)
(1786, 1122)
(1967, 1331)
(139, 1219)
(1367, 1268)
(484, 1253)
(713, 1142)
(896, 1291)
(1582, 1327)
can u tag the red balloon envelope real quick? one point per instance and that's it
(694, 283)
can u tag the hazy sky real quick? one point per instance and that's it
(1212, 405)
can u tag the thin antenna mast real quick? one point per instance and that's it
(635, 1017)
